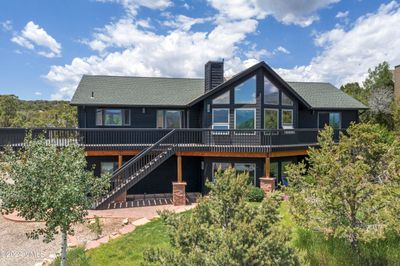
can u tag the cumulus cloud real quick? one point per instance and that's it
(33, 37)
(347, 54)
(342, 14)
(298, 12)
(6, 25)
(133, 5)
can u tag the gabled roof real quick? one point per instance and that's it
(183, 92)
(137, 91)
(320, 95)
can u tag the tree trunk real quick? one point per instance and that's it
(64, 249)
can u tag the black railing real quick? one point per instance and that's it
(186, 139)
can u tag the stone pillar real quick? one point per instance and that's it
(179, 193)
(121, 197)
(267, 184)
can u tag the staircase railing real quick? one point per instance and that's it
(138, 167)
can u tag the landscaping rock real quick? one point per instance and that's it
(125, 221)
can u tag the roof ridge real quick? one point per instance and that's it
(116, 76)
(316, 82)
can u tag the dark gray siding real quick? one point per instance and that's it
(309, 118)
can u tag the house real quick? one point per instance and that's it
(167, 136)
(396, 81)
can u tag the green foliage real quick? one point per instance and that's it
(49, 184)
(379, 77)
(19, 113)
(96, 227)
(8, 109)
(76, 257)
(351, 189)
(224, 230)
(396, 115)
(356, 91)
(255, 194)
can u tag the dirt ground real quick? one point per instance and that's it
(17, 249)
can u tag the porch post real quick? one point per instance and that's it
(119, 161)
(267, 183)
(179, 187)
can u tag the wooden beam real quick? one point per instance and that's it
(120, 161)
(112, 153)
(179, 169)
(267, 167)
(244, 154)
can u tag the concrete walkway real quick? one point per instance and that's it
(148, 212)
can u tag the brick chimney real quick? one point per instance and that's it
(396, 79)
(213, 74)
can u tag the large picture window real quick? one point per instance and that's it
(222, 99)
(245, 118)
(245, 93)
(108, 167)
(271, 93)
(169, 119)
(249, 168)
(271, 119)
(287, 119)
(335, 120)
(112, 117)
(220, 118)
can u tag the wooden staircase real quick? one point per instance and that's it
(137, 168)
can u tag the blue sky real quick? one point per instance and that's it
(46, 45)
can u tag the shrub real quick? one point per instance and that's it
(255, 194)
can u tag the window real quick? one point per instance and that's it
(220, 118)
(216, 166)
(245, 118)
(249, 168)
(271, 118)
(271, 93)
(335, 120)
(222, 99)
(274, 170)
(245, 93)
(169, 119)
(287, 119)
(108, 167)
(286, 100)
(284, 180)
(113, 117)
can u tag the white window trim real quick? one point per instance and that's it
(255, 119)
(277, 121)
(220, 131)
(255, 91)
(286, 110)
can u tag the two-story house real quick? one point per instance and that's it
(151, 132)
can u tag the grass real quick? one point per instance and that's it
(313, 248)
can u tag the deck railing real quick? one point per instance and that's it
(128, 138)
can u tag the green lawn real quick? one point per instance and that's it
(313, 247)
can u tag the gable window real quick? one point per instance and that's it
(287, 119)
(113, 117)
(169, 119)
(245, 93)
(245, 118)
(286, 100)
(271, 118)
(220, 118)
(271, 93)
(249, 168)
(222, 99)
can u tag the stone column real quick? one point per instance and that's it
(267, 184)
(179, 193)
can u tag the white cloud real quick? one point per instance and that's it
(33, 37)
(38, 93)
(346, 55)
(298, 12)
(6, 25)
(132, 6)
(185, 23)
(342, 14)
(281, 49)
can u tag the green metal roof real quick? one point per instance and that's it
(137, 91)
(320, 95)
(154, 91)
